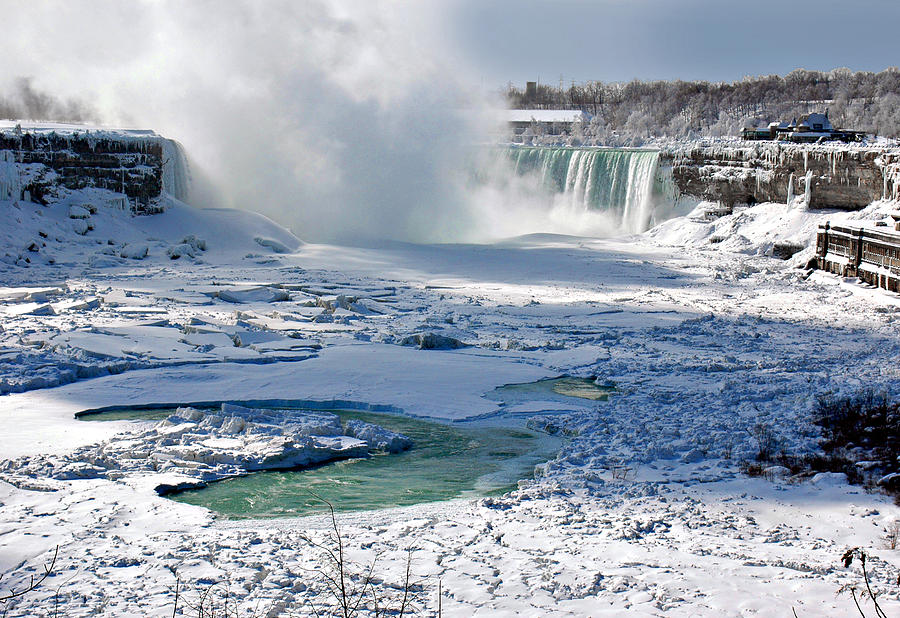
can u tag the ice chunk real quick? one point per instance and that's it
(257, 294)
(189, 246)
(829, 479)
(81, 226)
(378, 438)
(274, 245)
(190, 414)
(134, 251)
(232, 425)
(776, 472)
(78, 212)
(693, 456)
(432, 341)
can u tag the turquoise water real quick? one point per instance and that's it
(447, 461)
(581, 388)
(130, 414)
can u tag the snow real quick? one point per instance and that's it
(543, 115)
(644, 510)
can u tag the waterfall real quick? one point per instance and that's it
(176, 175)
(626, 183)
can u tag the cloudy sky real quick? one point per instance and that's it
(715, 40)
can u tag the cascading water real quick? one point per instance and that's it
(627, 184)
(176, 173)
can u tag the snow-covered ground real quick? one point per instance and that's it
(644, 510)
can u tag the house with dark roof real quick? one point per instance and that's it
(814, 127)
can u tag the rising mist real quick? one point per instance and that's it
(334, 118)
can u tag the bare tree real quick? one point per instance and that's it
(352, 587)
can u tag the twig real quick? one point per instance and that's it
(33, 583)
(175, 609)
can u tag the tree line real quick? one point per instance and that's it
(859, 100)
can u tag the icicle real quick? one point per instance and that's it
(790, 193)
(10, 183)
(807, 194)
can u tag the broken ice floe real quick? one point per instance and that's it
(136, 251)
(252, 294)
(198, 446)
(432, 341)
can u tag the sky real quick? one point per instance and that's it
(715, 40)
(341, 119)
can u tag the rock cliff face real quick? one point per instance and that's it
(133, 165)
(830, 175)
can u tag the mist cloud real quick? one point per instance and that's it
(332, 117)
(24, 102)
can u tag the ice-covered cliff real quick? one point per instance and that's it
(829, 175)
(41, 163)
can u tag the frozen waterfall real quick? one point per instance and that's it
(176, 175)
(627, 183)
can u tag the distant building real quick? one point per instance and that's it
(813, 127)
(545, 121)
(815, 123)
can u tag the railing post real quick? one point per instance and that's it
(859, 251)
(822, 241)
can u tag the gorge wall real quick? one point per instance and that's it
(830, 175)
(136, 166)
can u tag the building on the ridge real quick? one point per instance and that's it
(814, 127)
(815, 123)
(546, 121)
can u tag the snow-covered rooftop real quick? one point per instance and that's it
(546, 115)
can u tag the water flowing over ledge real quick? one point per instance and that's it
(629, 184)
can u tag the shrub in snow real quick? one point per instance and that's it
(197, 243)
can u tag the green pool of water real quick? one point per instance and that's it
(447, 461)
(129, 414)
(582, 388)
